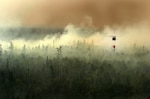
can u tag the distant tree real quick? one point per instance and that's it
(59, 51)
(24, 50)
(7, 64)
(1, 50)
(11, 47)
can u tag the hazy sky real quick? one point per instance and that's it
(59, 13)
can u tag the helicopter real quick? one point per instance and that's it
(113, 38)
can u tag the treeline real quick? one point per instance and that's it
(29, 77)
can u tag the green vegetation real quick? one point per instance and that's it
(74, 73)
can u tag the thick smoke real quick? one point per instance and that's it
(92, 21)
(56, 13)
(127, 36)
